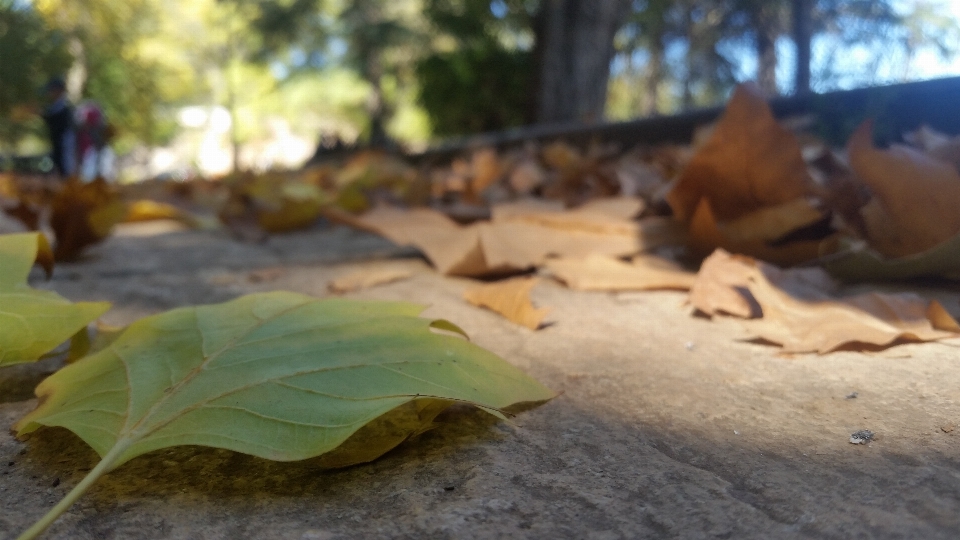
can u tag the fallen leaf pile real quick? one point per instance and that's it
(596, 217)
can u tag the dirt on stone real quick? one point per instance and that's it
(666, 426)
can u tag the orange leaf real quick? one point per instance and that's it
(916, 197)
(748, 162)
(798, 314)
(706, 235)
(510, 298)
(83, 214)
(486, 171)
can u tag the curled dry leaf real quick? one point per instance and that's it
(368, 277)
(599, 273)
(527, 176)
(486, 168)
(25, 213)
(33, 322)
(915, 197)
(278, 375)
(796, 312)
(721, 287)
(510, 298)
(148, 210)
(83, 215)
(706, 235)
(749, 162)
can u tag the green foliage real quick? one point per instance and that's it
(278, 375)
(474, 89)
(33, 322)
(486, 80)
(30, 52)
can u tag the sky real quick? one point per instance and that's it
(929, 65)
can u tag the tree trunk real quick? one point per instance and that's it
(802, 32)
(574, 50)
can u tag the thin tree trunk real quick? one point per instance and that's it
(802, 34)
(575, 47)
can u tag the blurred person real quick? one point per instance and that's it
(61, 128)
(93, 135)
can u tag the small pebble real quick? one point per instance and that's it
(852, 395)
(690, 345)
(861, 437)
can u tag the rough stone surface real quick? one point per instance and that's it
(666, 427)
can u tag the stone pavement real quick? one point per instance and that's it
(667, 426)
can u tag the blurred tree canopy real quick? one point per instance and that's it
(409, 69)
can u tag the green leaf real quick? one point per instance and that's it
(278, 375)
(32, 322)
(857, 262)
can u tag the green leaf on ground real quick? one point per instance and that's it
(278, 375)
(33, 322)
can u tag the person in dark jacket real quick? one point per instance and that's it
(61, 127)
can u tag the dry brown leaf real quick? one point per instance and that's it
(772, 222)
(365, 278)
(705, 235)
(82, 215)
(625, 208)
(527, 176)
(525, 245)
(453, 250)
(603, 216)
(147, 210)
(721, 286)
(401, 226)
(749, 162)
(25, 214)
(510, 298)
(796, 314)
(511, 245)
(562, 156)
(599, 273)
(486, 170)
(915, 197)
